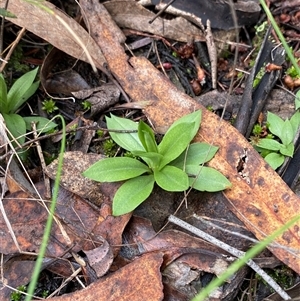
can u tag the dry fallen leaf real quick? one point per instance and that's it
(75, 163)
(100, 259)
(258, 195)
(47, 26)
(135, 282)
(130, 14)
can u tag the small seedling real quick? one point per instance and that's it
(49, 106)
(275, 150)
(11, 101)
(174, 165)
(17, 295)
(109, 148)
(86, 105)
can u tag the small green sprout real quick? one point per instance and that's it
(292, 72)
(100, 133)
(11, 101)
(275, 150)
(210, 108)
(86, 105)
(109, 147)
(173, 164)
(17, 295)
(49, 106)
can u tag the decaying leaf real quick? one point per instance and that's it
(101, 258)
(75, 163)
(47, 26)
(135, 281)
(130, 14)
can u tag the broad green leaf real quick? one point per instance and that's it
(6, 13)
(274, 160)
(297, 100)
(205, 178)
(287, 133)
(21, 90)
(194, 117)
(115, 169)
(171, 178)
(287, 150)
(175, 142)
(152, 159)
(275, 124)
(270, 144)
(197, 153)
(3, 95)
(295, 121)
(42, 124)
(147, 137)
(131, 194)
(128, 141)
(16, 126)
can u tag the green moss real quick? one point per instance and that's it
(282, 275)
(17, 295)
(109, 148)
(15, 60)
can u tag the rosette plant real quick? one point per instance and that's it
(174, 164)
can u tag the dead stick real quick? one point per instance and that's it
(237, 253)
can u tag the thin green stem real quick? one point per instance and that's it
(39, 261)
(280, 36)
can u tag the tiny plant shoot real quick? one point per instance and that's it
(11, 101)
(275, 150)
(174, 164)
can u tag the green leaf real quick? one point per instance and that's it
(175, 142)
(147, 138)
(21, 90)
(274, 160)
(208, 179)
(287, 150)
(16, 126)
(194, 117)
(295, 121)
(152, 159)
(6, 13)
(171, 178)
(128, 141)
(3, 95)
(297, 100)
(287, 134)
(42, 124)
(275, 124)
(131, 194)
(197, 153)
(269, 144)
(115, 169)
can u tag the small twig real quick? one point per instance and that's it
(2, 29)
(237, 253)
(12, 48)
(161, 11)
(90, 127)
(43, 164)
(212, 53)
(159, 60)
